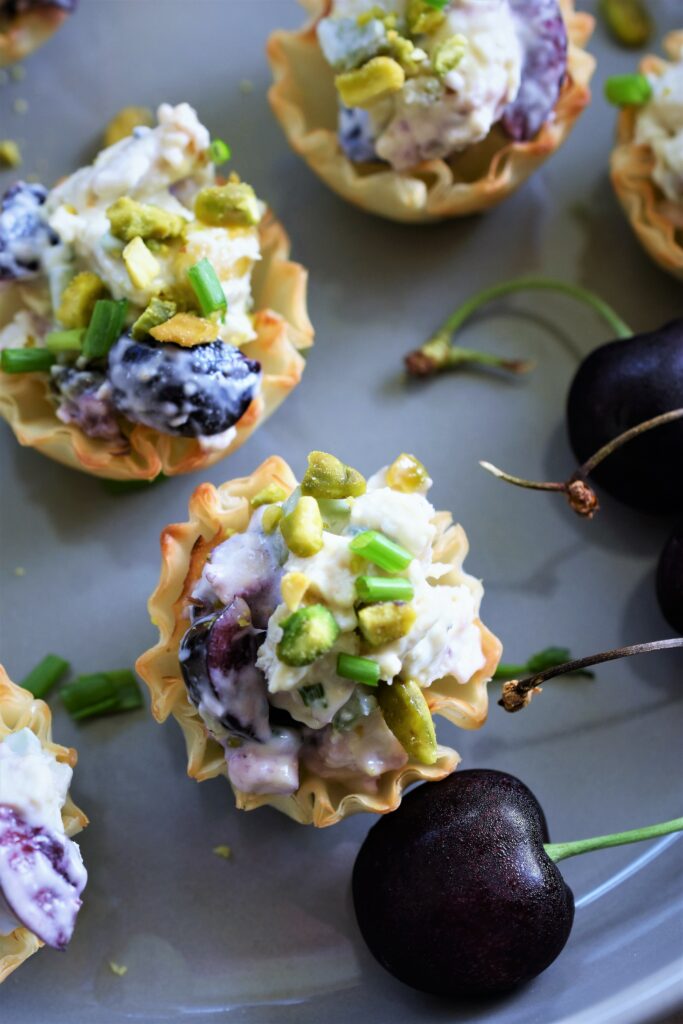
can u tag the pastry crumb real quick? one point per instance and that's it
(118, 969)
(246, 86)
(20, 106)
(10, 154)
(18, 73)
(20, 571)
(223, 851)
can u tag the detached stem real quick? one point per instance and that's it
(560, 851)
(438, 353)
(579, 494)
(517, 693)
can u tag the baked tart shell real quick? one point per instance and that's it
(20, 710)
(631, 166)
(214, 513)
(303, 99)
(283, 332)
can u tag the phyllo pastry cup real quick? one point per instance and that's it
(283, 332)
(20, 710)
(217, 513)
(24, 32)
(656, 221)
(304, 100)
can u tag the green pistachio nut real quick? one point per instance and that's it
(228, 206)
(302, 529)
(407, 714)
(448, 55)
(307, 634)
(379, 78)
(269, 495)
(157, 312)
(407, 474)
(423, 18)
(328, 477)
(130, 219)
(382, 623)
(271, 517)
(79, 298)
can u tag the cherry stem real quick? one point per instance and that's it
(560, 851)
(435, 354)
(581, 497)
(517, 693)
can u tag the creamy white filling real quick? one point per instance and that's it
(432, 117)
(35, 785)
(164, 166)
(659, 124)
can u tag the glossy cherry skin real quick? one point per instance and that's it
(618, 386)
(454, 892)
(670, 580)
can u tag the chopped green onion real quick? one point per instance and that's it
(376, 548)
(313, 694)
(219, 151)
(207, 288)
(628, 90)
(106, 324)
(360, 670)
(102, 693)
(438, 5)
(65, 341)
(26, 360)
(384, 588)
(43, 677)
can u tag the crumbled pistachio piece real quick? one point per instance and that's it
(185, 329)
(141, 265)
(157, 312)
(328, 477)
(123, 123)
(222, 851)
(448, 55)
(423, 18)
(79, 298)
(269, 495)
(271, 517)
(302, 529)
(130, 219)
(388, 18)
(118, 969)
(409, 56)
(407, 714)
(380, 77)
(10, 154)
(407, 474)
(307, 634)
(294, 586)
(382, 623)
(233, 205)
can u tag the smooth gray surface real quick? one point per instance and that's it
(270, 936)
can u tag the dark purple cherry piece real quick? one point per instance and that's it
(670, 580)
(454, 892)
(218, 662)
(41, 877)
(24, 234)
(543, 37)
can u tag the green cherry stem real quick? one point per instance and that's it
(578, 492)
(517, 693)
(435, 355)
(560, 851)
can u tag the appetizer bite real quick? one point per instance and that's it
(308, 633)
(27, 24)
(419, 110)
(647, 163)
(149, 316)
(41, 871)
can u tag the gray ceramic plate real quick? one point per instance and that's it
(269, 938)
